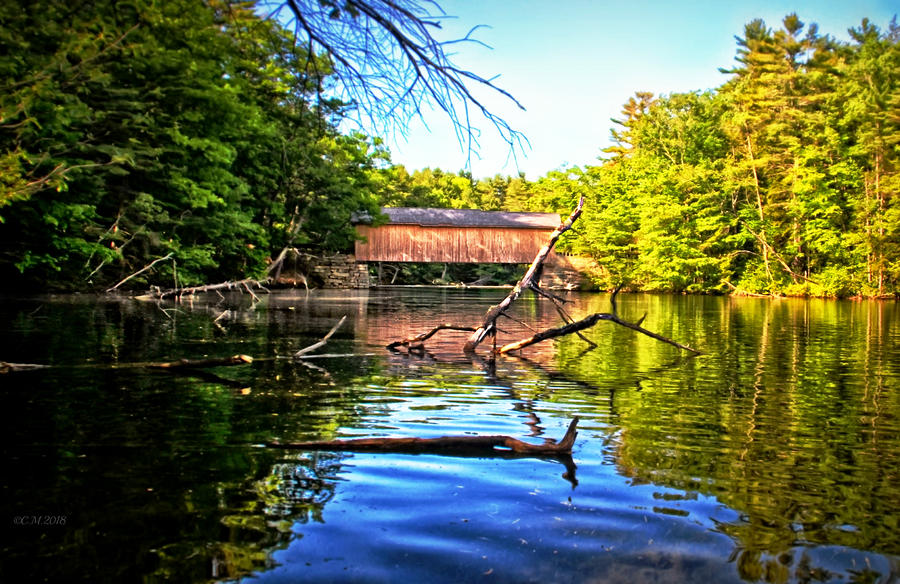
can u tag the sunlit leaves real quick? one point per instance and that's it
(783, 181)
(146, 129)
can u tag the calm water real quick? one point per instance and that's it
(774, 457)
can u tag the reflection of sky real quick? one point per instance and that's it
(654, 447)
(774, 452)
(445, 519)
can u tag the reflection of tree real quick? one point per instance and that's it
(298, 489)
(295, 490)
(802, 444)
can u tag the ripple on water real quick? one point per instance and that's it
(773, 457)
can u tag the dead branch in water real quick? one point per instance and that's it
(486, 444)
(531, 281)
(178, 364)
(419, 339)
(587, 322)
(246, 285)
(195, 363)
(300, 354)
(141, 271)
(6, 367)
(531, 278)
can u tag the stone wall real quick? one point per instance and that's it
(340, 271)
(343, 271)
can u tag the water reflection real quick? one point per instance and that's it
(773, 457)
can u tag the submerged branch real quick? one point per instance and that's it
(302, 352)
(417, 339)
(468, 444)
(192, 363)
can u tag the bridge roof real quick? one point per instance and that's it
(469, 218)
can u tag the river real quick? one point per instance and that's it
(772, 457)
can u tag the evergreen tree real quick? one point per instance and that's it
(869, 123)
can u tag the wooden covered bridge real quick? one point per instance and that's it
(424, 235)
(455, 236)
(464, 236)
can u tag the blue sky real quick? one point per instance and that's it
(573, 63)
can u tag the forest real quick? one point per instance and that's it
(191, 136)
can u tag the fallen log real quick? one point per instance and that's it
(6, 367)
(196, 363)
(246, 284)
(444, 444)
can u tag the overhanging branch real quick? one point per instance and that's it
(387, 60)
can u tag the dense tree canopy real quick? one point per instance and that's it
(202, 133)
(784, 180)
(173, 129)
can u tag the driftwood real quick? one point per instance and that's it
(247, 285)
(6, 367)
(196, 363)
(169, 365)
(418, 339)
(467, 444)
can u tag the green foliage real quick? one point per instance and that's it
(783, 181)
(131, 131)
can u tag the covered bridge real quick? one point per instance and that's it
(455, 236)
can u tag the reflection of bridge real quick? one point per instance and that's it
(463, 236)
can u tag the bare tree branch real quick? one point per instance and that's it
(418, 339)
(141, 271)
(587, 322)
(531, 276)
(387, 59)
(299, 354)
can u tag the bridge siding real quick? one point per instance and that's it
(416, 243)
